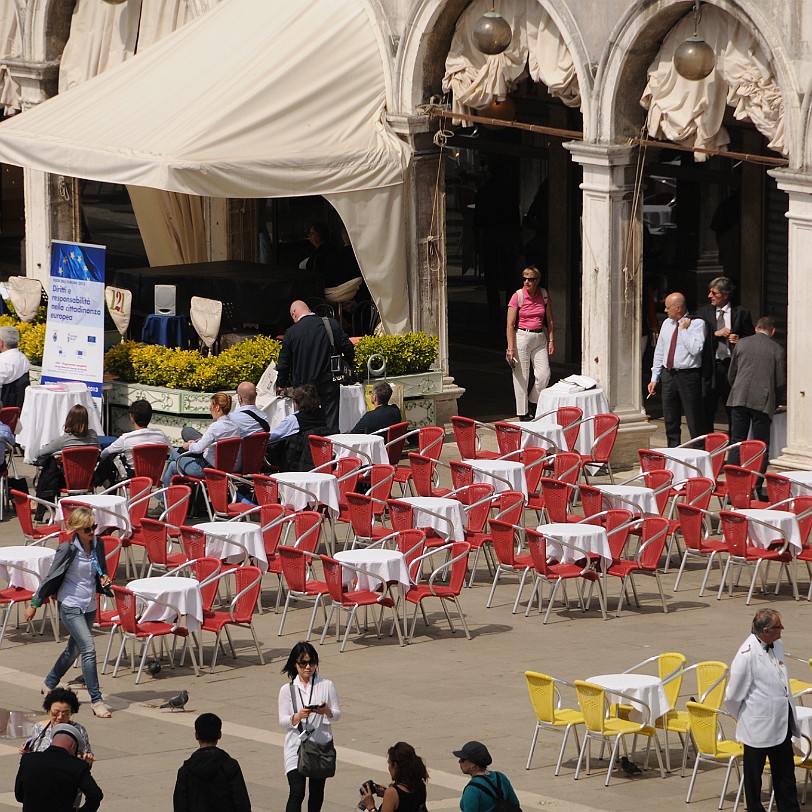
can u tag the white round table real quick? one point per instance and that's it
(801, 482)
(246, 534)
(449, 509)
(182, 595)
(546, 427)
(37, 559)
(44, 411)
(641, 687)
(804, 716)
(589, 401)
(590, 539)
(372, 445)
(619, 496)
(388, 564)
(697, 457)
(109, 510)
(324, 488)
(783, 520)
(509, 470)
(352, 406)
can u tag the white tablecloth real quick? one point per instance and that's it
(248, 534)
(38, 559)
(802, 482)
(44, 411)
(114, 513)
(183, 594)
(351, 407)
(373, 445)
(644, 498)
(590, 402)
(804, 728)
(778, 435)
(782, 519)
(641, 687)
(389, 564)
(693, 456)
(451, 509)
(589, 538)
(323, 486)
(510, 470)
(546, 427)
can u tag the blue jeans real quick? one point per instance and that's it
(189, 466)
(79, 625)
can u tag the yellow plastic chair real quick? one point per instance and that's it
(704, 722)
(798, 687)
(711, 680)
(604, 728)
(549, 714)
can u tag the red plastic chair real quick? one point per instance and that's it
(462, 474)
(23, 505)
(509, 562)
(466, 435)
(226, 454)
(556, 574)
(751, 455)
(321, 450)
(10, 415)
(396, 441)
(693, 525)
(12, 596)
(79, 466)
(739, 484)
(266, 489)
(569, 418)
(157, 545)
(300, 586)
(696, 491)
(557, 500)
(254, 447)
(455, 569)
(423, 476)
(149, 460)
(478, 500)
(350, 600)
(193, 542)
(402, 517)
(508, 436)
(429, 444)
(217, 488)
(604, 432)
(361, 508)
(248, 582)
(381, 478)
(347, 471)
(779, 487)
(133, 629)
(178, 498)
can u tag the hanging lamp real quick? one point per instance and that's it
(492, 33)
(694, 59)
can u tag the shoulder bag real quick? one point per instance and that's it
(339, 368)
(315, 760)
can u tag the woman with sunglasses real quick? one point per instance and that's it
(530, 341)
(60, 705)
(78, 572)
(307, 704)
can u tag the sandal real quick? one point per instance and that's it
(101, 710)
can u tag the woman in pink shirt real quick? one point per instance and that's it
(530, 340)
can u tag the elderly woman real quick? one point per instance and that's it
(407, 792)
(78, 572)
(60, 705)
(308, 418)
(307, 703)
(201, 446)
(530, 341)
(481, 792)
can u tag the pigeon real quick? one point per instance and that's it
(80, 680)
(177, 702)
(154, 668)
(629, 767)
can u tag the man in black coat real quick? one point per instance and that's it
(305, 357)
(210, 780)
(727, 323)
(49, 780)
(383, 415)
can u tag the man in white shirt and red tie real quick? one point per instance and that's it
(759, 697)
(677, 363)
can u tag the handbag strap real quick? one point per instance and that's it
(326, 323)
(488, 789)
(293, 700)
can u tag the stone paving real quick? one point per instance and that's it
(437, 693)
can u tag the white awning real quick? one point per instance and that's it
(256, 98)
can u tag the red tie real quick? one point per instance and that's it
(669, 361)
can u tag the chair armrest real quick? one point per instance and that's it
(443, 567)
(772, 529)
(421, 558)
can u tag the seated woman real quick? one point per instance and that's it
(407, 792)
(295, 429)
(201, 446)
(60, 704)
(51, 478)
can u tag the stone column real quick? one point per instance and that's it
(612, 289)
(798, 451)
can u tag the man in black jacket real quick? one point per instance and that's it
(210, 780)
(48, 781)
(383, 415)
(305, 357)
(727, 323)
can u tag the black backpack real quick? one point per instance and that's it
(502, 803)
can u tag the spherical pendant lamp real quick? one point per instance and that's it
(694, 59)
(491, 33)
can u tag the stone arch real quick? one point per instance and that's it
(46, 29)
(419, 66)
(622, 70)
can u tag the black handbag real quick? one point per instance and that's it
(340, 370)
(315, 760)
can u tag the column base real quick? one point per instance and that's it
(796, 459)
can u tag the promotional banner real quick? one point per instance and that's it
(74, 338)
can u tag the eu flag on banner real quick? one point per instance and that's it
(72, 261)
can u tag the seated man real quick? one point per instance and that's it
(140, 415)
(382, 416)
(248, 417)
(14, 368)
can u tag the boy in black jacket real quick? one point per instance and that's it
(210, 780)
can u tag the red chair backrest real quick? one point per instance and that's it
(751, 453)
(462, 474)
(401, 514)
(740, 483)
(604, 432)
(651, 460)
(509, 503)
(247, 578)
(334, 578)
(307, 526)
(508, 436)
(156, 540)
(347, 472)
(567, 466)
(294, 568)
(617, 534)
(266, 489)
(566, 416)
(656, 480)
(779, 488)
(734, 531)
(430, 441)
(193, 542)
(458, 569)
(591, 499)
(381, 477)
(254, 447)
(465, 436)
(422, 473)
(532, 458)
(653, 535)
(690, 525)
(476, 496)
(269, 516)
(226, 454)
(125, 606)
(503, 543)
(698, 491)
(178, 498)
(396, 441)
(556, 498)
(411, 543)
(10, 415)
(79, 465)
(537, 545)
(216, 483)
(22, 507)
(713, 442)
(361, 512)
(149, 461)
(112, 554)
(321, 449)
(138, 488)
(203, 568)
(800, 505)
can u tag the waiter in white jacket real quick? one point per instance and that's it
(758, 695)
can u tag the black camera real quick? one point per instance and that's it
(108, 591)
(372, 787)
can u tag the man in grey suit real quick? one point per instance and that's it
(758, 381)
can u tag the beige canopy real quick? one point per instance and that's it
(256, 98)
